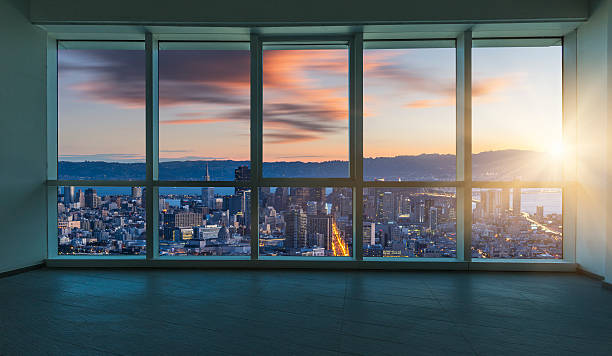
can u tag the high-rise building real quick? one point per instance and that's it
(182, 219)
(429, 203)
(369, 234)
(516, 201)
(384, 206)
(281, 198)
(433, 218)
(91, 198)
(295, 229)
(241, 174)
(505, 200)
(317, 194)
(299, 196)
(419, 212)
(319, 230)
(68, 195)
(208, 193)
(136, 192)
(80, 198)
(490, 202)
(540, 211)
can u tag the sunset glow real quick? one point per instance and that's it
(409, 103)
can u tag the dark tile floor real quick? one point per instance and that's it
(173, 312)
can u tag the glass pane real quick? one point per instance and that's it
(305, 113)
(528, 224)
(204, 113)
(101, 114)
(300, 221)
(517, 113)
(410, 222)
(204, 221)
(409, 114)
(101, 221)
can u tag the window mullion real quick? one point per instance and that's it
(464, 145)
(256, 139)
(356, 140)
(152, 143)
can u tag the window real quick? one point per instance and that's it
(101, 221)
(410, 222)
(518, 146)
(204, 110)
(306, 221)
(256, 152)
(204, 221)
(517, 111)
(517, 223)
(305, 111)
(409, 110)
(101, 111)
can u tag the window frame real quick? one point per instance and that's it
(463, 182)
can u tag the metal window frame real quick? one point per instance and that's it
(463, 182)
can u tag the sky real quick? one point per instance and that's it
(204, 96)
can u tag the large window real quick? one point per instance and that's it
(331, 148)
(305, 111)
(306, 221)
(517, 111)
(517, 149)
(204, 221)
(517, 223)
(409, 111)
(101, 111)
(101, 221)
(410, 222)
(204, 112)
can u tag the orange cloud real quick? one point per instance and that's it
(192, 121)
(489, 86)
(431, 103)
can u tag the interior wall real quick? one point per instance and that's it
(22, 147)
(594, 137)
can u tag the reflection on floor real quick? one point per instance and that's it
(70, 311)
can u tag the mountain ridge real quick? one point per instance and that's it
(489, 165)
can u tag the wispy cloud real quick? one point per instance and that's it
(108, 157)
(192, 121)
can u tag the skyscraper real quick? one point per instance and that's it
(241, 174)
(299, 196)
(208, 193)
(516, 201)
(295, 229)
(136, 192)
(68, 195)
(318, 195)
(91, 198)
(505, 200)
(369, 233)
(433, 218)
(280, 198)
(540, 211)
(319, 230)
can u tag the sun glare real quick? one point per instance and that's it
(556, 151)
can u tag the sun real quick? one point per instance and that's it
(556, 151)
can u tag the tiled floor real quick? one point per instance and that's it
(174, 312)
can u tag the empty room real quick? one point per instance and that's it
(306, 177)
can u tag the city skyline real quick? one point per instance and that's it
(204, 103)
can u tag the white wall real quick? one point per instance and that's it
(594, 131)
(22, 139)
(591, 137)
